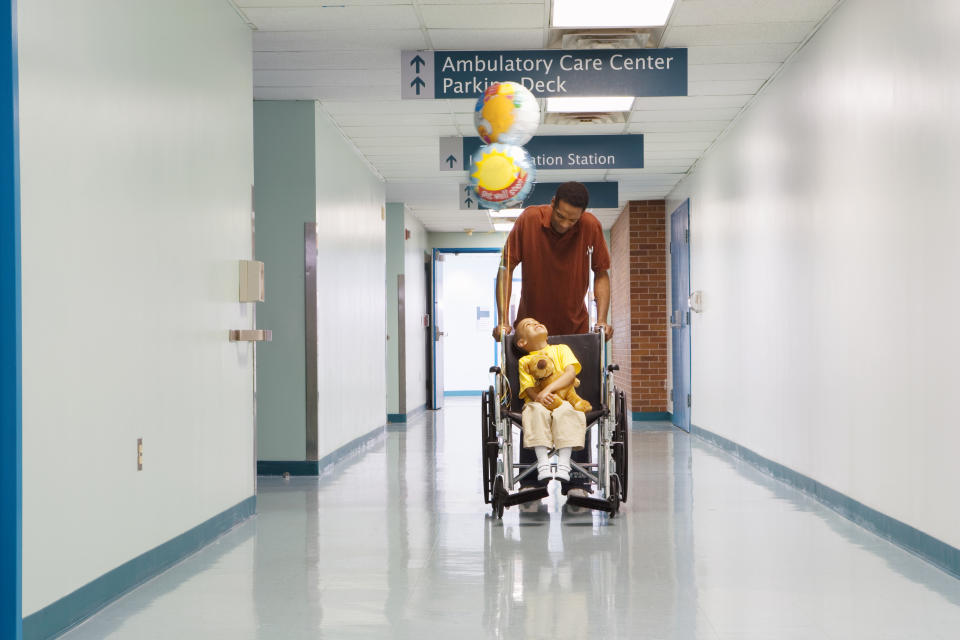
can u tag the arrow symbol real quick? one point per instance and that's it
(417, 82)
(468, 202)
(467, 189)
(451, 160)
(418, 61)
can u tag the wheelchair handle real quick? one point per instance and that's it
(494, 369)
(613, 367)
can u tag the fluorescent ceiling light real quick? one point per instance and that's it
(590, 105)
(503, 226)
(504, 213)
(610, 13)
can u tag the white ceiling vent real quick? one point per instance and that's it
(605, 38)
(615, 117)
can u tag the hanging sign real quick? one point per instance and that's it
(428, 75)
(556, 152)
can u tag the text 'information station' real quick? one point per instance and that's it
(428, 75)
(556, 152)
(603, 195)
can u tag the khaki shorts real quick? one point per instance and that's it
(562, 427)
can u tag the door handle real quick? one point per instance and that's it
(675, 319)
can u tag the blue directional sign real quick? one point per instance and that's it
(546, 72)
(556, 152)
(603, 195)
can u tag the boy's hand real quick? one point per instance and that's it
(546, 399)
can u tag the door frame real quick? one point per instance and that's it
(11, 418)
(434, 402)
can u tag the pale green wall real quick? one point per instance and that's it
(416, 295)
(395, 267)
(285, 198)
(136, 166)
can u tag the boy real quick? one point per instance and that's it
(564, 428)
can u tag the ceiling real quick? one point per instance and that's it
(346, 55)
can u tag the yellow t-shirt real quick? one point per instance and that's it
(562, 357)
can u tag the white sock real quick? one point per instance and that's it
(563, 463)
(543, 462)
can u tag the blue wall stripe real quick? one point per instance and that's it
(10, 334)
(913, 540)
(318, 467)
(88, 599)
(393, 418)
(644, 416)
(476, 392)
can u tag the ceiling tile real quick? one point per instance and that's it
(488, 39)
(763, 33)
(358, 39)
(364, 59)
(739, 53)
(333, 17)
(484, 16)
(710, 12)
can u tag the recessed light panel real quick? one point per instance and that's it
(610, 13)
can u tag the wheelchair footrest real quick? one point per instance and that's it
(590, 503)
(525, 495)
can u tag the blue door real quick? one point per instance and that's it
(680, 313)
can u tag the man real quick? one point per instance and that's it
(553, 241)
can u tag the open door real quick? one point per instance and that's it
(436, 331)
(680, 313)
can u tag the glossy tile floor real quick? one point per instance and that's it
(397, 543)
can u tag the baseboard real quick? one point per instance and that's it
(469, 392)
(317, 467)
(75, 607)
(646, 416)
(400, 418)
(936, 552)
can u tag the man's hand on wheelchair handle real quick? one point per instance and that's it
(505, 328)
(607, 329)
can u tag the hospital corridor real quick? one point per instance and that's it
(479, 319)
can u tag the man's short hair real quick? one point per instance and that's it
(573, 193)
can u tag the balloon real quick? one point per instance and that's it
(506, 113)
(502, 175)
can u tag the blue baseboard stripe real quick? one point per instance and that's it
(469, 392)
(317, 467)
(913, 540)
(643, 416)
(394, 418)
(88, 599)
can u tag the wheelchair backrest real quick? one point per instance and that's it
(585, 346)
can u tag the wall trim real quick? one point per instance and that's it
(646, 416)
(318, 467)
(470, 392)
(928, 548)
(400, 418)
(93, 596)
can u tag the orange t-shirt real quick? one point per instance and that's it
(555, 268)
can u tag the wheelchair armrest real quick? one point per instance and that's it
(613, 367)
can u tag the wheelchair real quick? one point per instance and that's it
(501, 416)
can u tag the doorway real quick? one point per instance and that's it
(680, 313)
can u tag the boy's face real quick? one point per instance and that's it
(530, 331)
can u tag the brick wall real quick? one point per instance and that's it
(638, 240)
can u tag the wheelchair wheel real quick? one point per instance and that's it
(614, 497)
(499, 493)
(489, 446)
(621, 447)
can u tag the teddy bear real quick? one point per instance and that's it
(543, 371)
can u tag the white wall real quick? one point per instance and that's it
(136, 166)
(350, 280)
(824, 237)
(415, 304)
